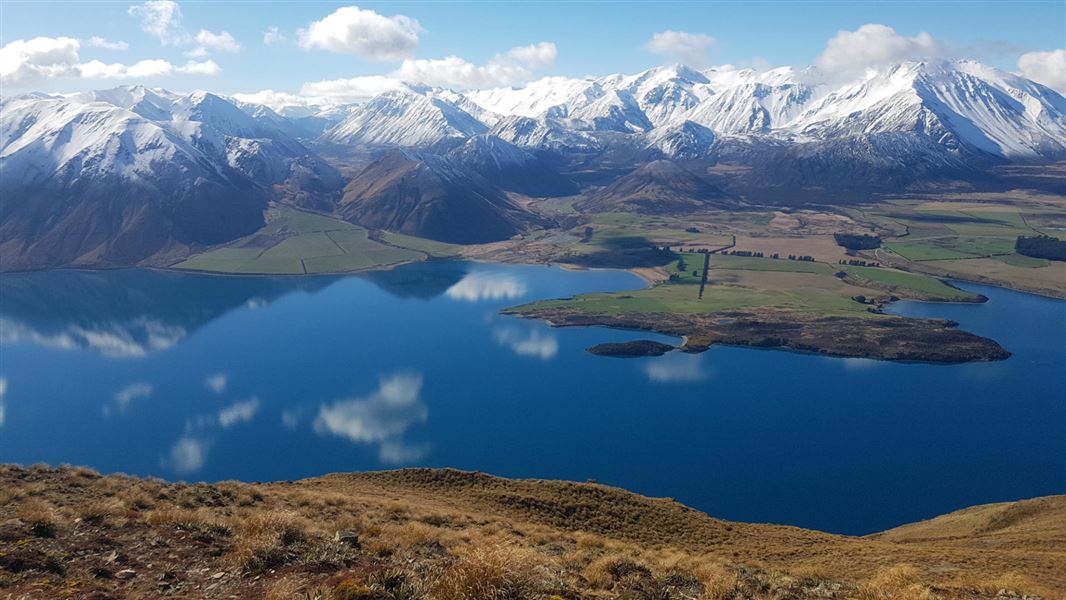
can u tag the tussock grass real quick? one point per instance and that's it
(446, 535)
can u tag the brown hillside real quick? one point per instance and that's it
(444, 535)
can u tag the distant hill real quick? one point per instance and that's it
(429, 197)
(658, 187)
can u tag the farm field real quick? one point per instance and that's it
(296, 242)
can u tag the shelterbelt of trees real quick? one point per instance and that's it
(1041, 246)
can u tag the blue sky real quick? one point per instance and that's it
(588, 38)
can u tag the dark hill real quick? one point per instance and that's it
(428, 197)
(658, 187)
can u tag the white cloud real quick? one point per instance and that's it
(240, 412)
(99, 42)
(279, 101)
(852, 53)
(273, 35)
(381, 418)
(27, 61)
(363, 32)
(162, 20)
(216, 383)
(689, 48)
(207, 41)
(517, 65)
(349, 90)
(531, 343)
(188, 454)
(1048, 68)
(133, 391)
(675, 367)
(487, 286)
(204, 67)
(95, 69)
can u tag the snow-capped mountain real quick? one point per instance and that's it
(683, 140)
(123, 175)
(962, 105)
(511, 168)
(406, 118)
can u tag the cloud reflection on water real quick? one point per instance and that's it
(479, 286)
(3, 395)
(528, 343)
(189, 453)
(125, 396)
(675, 367)
(381, 418)
(120, 340)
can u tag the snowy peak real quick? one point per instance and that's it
(685, 140)
(955, 103)
(405, 118)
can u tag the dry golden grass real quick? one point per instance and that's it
(901, 582)
(493, 573)
(443, 535)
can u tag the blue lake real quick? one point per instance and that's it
(200, 377)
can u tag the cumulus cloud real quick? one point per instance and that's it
(95, 69)
(382, 418)
(278, 101)
(162, 20)
(531, 343)
(348, 90)
(273, 35)
(517, 65)
(237, 413)
(851, 53)
(689, 48)
(203, 67)
(99, 42)
(351, 29)
(1048, 68)
(208, 41)
(25, 62)
(487, 286)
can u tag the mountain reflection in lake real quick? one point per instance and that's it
(190, 376)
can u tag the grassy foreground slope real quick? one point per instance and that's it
(448, 535)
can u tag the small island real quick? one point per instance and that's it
(631, 349)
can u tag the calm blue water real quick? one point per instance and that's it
(206, 378)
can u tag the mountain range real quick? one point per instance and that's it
(134, 175)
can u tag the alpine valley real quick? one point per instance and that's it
(137, 176)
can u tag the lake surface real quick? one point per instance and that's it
(205, 378)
